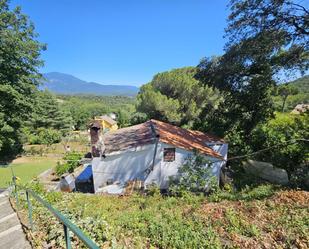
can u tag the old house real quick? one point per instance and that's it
(151, 152)
(107, 123)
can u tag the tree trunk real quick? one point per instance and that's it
(283, 104)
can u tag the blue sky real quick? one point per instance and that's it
(126, 41)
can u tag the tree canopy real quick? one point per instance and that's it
(277, 30)
(285, 91)
(19, 76)
(49, 113)
(176, 96)
(266, 39)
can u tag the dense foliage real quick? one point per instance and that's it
(193, 176)
(276, 30)
(48, 122)
(19, 56)
(284, 91)
(286, 134)
(69, 163)
(53, 117)
(85, 107)
(246, 90)
(301, 96)
(302, 84)
(175, 96)
(45, 136)
(266, 40)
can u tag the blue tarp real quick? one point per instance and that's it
(86, 175)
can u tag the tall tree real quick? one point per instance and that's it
(283, 23)
(266, 38)
(48, 113)
(285, 91)
(19, 76)
(175, 96)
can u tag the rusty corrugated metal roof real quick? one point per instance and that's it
(143, 134)
(128, 137)
(185, 139)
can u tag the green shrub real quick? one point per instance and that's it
(45, 136)
(193, 176)
(71, 162)
(33, 151)
(278, 133)
(61, 168)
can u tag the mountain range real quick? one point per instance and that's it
(62, 83)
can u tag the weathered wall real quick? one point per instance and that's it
(163, 170)
(132, 164)
(122, 167)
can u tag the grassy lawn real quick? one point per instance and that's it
(25, 168)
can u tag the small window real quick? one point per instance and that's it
(169, 154)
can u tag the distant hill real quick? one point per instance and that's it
(68, 84)
(302, 84)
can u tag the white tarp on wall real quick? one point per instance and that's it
(133, 164)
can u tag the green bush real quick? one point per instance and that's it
(45, 136)
(281, 134)
(61, 168)
(71, 162)
(193, 176)
(33, 151)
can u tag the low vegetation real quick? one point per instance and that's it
(263, 217)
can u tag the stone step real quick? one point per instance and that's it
(11, 233)
(4, 193)
(10, 230)
(14, 239)
(6, 210)
(3, 202)
(4, 198)
(8, 222)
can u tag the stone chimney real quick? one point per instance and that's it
(95, 139)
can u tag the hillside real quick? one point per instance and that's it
(302, 84)
(256, 218)
(68, 84)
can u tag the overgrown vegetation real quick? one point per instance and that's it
(193, 176)
(69, 162)
(248, 219)
(286, 134)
